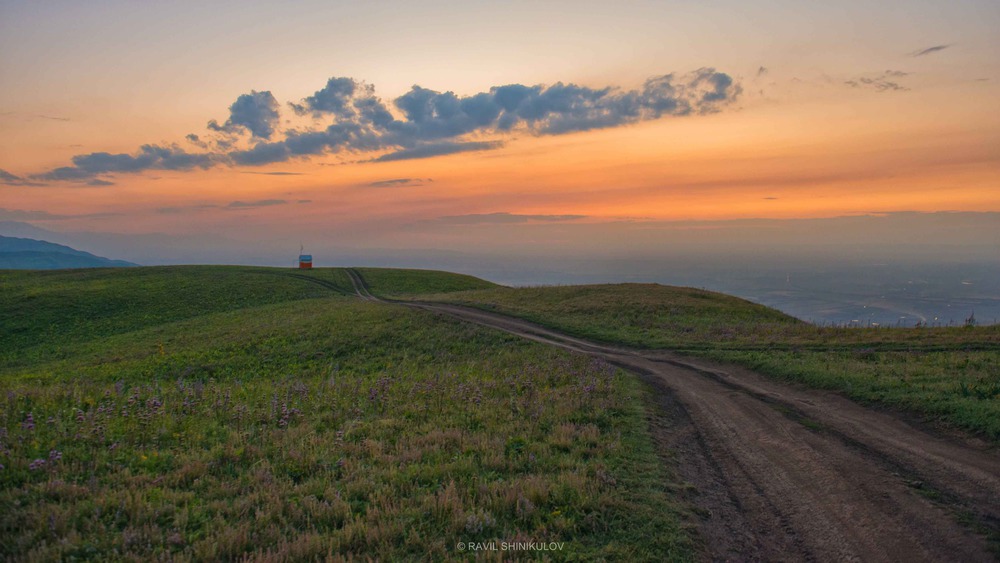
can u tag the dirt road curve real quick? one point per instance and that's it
(789, 474)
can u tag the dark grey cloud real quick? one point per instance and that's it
(196, 141)
(100, 182)
(929, 50)
(884, 82)
(422, 123)
(762, 71)
(14, 180)
(258, 203)
(149, 157)
(438, 149)
(503, 218)
(257, 112)
(398, 182)
(335, 98)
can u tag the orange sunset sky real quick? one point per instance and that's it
(449, 125)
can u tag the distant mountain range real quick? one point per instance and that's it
(30, 254)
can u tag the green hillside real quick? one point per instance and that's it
(947, 374)
(43, 314)
(216, 413)
(390, 283)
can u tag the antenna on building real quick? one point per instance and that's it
(305, 260)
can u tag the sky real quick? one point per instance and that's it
(506, 128)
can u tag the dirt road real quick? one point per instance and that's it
(789, 474)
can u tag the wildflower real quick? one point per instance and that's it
(29, 423)
(55, 455)
(37, 464)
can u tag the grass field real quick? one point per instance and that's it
(399, 283)
(948, 374)
(209, 413)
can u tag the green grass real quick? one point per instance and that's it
(290, 422)
(398, 283)
(948, 374)
(41, 312)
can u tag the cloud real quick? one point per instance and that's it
(15, 180)
(335, 98)
(929, 50)
(256, 111)
(439, 149)
(503, 218)
(99, 182)
(149, 157)
(398, 182)
(762, 71)
(258, 203)
(880, 82)
(184, 208)
(277, 173)
(28, 215)
(349, 118)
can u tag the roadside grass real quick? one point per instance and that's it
(948, 374)
(296, 427)
(386, 282)
(958, 387)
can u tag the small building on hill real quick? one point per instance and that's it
(305, 261)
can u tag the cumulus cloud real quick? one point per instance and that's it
(257, 112)
(929, 50)
(503, 217)
(347, 117)
(883, 82)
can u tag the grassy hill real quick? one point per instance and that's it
(214, 413)
(225, 412)
(947, 374)
(390, 283)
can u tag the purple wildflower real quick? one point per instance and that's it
(29, 422)
(55, 455)
(37, 464)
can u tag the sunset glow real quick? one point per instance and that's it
(644, 112)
